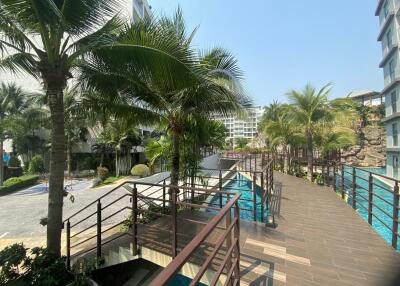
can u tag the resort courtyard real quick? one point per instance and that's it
(196, 143)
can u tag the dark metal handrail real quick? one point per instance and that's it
(370, 201)
(186, 253)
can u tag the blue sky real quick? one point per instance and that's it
(284, 44)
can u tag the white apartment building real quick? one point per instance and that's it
(242, 127)
(389, 19)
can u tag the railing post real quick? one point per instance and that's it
(164, 197)
(236, 235)
(220, 188)
(262, 196)
(98, 245)
(192, 190)
(68, 233)
(395, 214)
(228, 240)
(354, 185)
(334, 177)
(262, 159)
(342, 188)
(370, 202)
(267, 187)
(251, 163)
(255, 197)
(174, 223)
(255, 162)
(134, 221)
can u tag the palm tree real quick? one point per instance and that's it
(154, 65)
(46, 39)
(282, 130)
(122, 135)
(310, 108)
(12, 103)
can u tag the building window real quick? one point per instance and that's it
(389, 38)
(386, 9)
(391, 70)
(393, 100)
(395, 135)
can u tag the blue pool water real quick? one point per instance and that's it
(244, 186)
(180, 280)
(382, 199)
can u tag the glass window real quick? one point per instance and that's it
(395, 135)
(393, 100)
(389, 38)
(391, 70)
(386, 8)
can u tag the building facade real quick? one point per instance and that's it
(367, 97)
(246, 128)
(388, 12)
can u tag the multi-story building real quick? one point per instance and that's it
(389, 19)
(246, 127)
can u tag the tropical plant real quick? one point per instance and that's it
(12, 103)
(102, 173)
(122, 135)
(140, 170)
(36, 165)
(46, 39)
(281, 130)
(310, 108)
(241, 142)
(153, 64)
(18, 266)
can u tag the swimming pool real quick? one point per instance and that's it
(383, 199)
(243, 185)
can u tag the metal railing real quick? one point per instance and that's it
(230, 237)
(375, 195)
(171, 200)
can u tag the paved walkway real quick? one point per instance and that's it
(320, 240)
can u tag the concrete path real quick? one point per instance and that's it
(20, 213)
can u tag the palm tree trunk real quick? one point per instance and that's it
(309, 156)
(1, 163)
(175, 160)
(286, 160)
(57, 165)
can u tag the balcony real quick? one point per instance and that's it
(385, 25)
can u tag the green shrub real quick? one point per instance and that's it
(12, 181)
(14, 162)
(36, 165)
(18, 183)
(84, 164)
(39, 267)
(102, 173)
(140, 170)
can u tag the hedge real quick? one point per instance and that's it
(18, 183)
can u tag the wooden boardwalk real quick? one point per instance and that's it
(320, 240)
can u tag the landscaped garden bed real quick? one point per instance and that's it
(18, 183)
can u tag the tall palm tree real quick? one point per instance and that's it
(12, 103)
(169, 78)
(282, 130)
(46, 39)
(310, 108)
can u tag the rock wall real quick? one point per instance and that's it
(371, 151)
